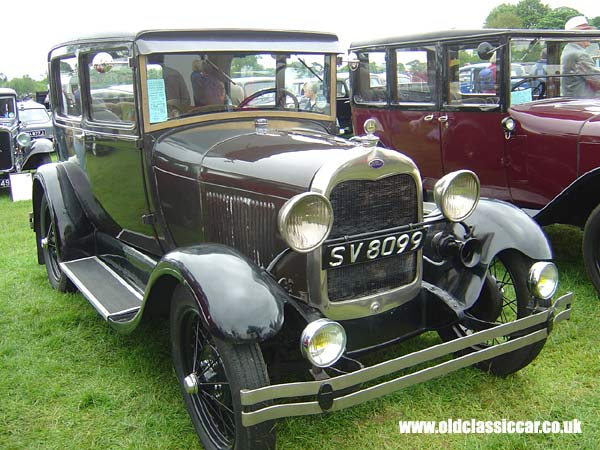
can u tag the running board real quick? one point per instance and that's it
(110, 294)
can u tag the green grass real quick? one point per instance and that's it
(67, 381)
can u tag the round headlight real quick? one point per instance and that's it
(305, 221)
(543, 279)
(457, 194)
(323, 342)
(23, 139)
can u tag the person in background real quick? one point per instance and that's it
(575, 60)
(308, 102)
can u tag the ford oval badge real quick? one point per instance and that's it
(376, 163)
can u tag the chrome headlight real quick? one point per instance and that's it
(457, 194)
(23, 139)
(323, 342)
(305, 221)
(543, 279)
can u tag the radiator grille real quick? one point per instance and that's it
(362, 206)
(245, 224)
(5, 150)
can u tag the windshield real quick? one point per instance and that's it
(7, 109)
(185, 85)
(33, 115)
(555, 68)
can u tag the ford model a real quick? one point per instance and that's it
(517, 107)
(18, 152)
(278, 252)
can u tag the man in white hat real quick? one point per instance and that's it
(576, 61)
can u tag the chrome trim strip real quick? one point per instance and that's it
(356, 167)
(252, 397)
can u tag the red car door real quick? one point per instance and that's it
(470, 118)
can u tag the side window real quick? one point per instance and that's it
(341, 91)
(529, 70)
(472, 81)
(416, 74)
(370, 78)
(111, 86)
(70, 94)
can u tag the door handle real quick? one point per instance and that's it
(443, 119)
(428, 118)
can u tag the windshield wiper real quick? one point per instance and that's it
(310, 68)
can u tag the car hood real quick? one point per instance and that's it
(556, 117)
(565, 109)
(281, 163)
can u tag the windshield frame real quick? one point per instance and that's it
(329, 71)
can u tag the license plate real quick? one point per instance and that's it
(4, 182)
(36, 133)
(373, 248)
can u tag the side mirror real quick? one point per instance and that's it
(102, 62)
(485, 51)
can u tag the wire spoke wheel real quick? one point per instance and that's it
(211, 373)
(504, 298)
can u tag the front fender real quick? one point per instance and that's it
(238, 300)
(575, 203)
(499, 226)
(38, 147)
(503, 226)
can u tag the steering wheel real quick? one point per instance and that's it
(276, 91)
(537, 91)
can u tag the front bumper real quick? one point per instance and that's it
(530, 330)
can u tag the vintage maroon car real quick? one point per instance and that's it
(498, 102)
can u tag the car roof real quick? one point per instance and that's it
(8, 91)
(30, 104)
(206, 40)
(449, 35)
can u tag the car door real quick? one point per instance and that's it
(470, 118)
(408, 112)
(112, 158)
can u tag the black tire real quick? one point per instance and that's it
(222, 369)
(591, 248)
(49, 242)
(504, 297)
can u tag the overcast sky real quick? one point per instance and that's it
(31, 27)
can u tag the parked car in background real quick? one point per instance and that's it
(529, 140)
(18, 151)
(35, 120)
(280, 253)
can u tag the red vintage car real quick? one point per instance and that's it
(507, 104)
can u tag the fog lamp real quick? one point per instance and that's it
(305, 221)
(457, 194)
(543, 279)
(323, 341)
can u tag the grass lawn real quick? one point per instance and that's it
(67, 381)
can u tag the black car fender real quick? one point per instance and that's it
(71, 223)
(575, 203)
(238, 300)
(38, 147)
(497, 226)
